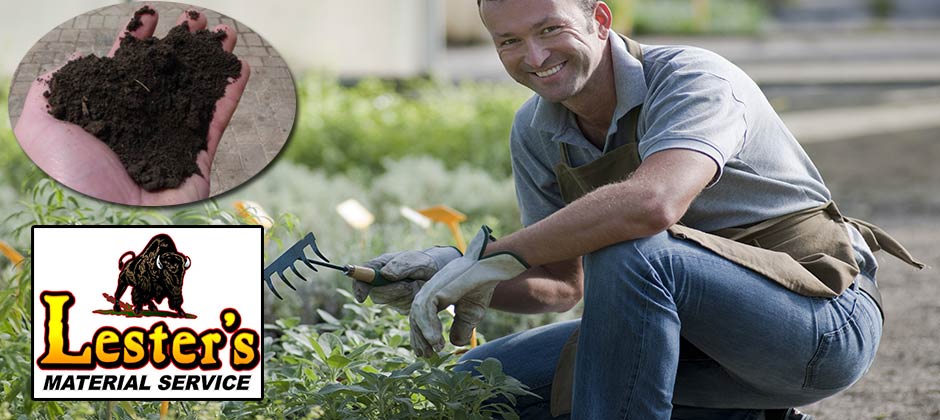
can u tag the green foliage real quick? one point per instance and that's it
(15, 167)
(14, 337)
(360, 367)
(681, 17)
(311, 198)
(882, 9)
(354, 129)
(362, 142)
(44, 203)
(356, 365)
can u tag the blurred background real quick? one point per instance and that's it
(405, 104)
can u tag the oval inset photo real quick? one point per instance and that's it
(157, 104)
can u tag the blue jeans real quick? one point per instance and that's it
(672, 330)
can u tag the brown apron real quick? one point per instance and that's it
(808, 252)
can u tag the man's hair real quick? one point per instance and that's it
(587, 6)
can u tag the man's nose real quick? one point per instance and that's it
(536, 54)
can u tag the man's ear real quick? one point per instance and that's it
(603, 18)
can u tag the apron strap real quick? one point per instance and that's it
(565, 157)
(633, 48)
(878, 239)
(739, 233)
(633, 116)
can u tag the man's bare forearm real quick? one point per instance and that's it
(654, 198)
(550, 288)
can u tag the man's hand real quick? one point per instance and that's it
(82, 162)
(467, 283)
(416, 266)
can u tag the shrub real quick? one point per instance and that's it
(311, 198)
(306, 200)
(357, 365)
(15, 167)
(367, 344)
(679, 17)
(354, 129)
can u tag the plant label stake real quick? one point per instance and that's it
(296, 253)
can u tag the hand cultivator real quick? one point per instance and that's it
(296, 253)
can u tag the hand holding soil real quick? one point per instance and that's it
(146, 138)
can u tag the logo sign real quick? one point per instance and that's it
(151, 312)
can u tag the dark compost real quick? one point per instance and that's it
(151, 103)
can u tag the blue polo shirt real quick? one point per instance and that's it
(692, 99)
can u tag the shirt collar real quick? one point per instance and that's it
(630, 85)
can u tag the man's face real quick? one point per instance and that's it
(545, 45)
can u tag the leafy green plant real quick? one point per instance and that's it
(353, 129)
(354, 365)
(362, 367)
(311, 197)
(715, 17)
(363, 348)
(44, 203)
(882, 9)
(15, 167)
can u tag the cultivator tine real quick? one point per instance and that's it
(293, 254)
(307, 263)
(267, 280)
(315, 250)
(296, 273)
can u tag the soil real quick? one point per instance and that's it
(152, 102)
(135, 21)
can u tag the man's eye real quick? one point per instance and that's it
(550, 29)
(508, 42)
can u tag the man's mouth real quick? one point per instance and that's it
(550, 71)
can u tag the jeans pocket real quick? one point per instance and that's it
(837, 363)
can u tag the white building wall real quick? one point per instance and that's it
(388, 38)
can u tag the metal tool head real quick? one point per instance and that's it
(293, 254)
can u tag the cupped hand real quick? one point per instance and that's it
(85, 164)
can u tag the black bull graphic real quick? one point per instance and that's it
(155, 274)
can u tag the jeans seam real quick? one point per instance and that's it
(635, 369)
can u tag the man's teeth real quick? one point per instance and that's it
(550, 71)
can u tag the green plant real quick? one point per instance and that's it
(360, 367)
(311, 197)
(714, 17)
(15, 167)
(353, 129)
(882, 9)
(356, 364)
(44, 203)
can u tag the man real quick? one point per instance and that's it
(624, 157)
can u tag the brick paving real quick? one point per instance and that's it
(265, 113)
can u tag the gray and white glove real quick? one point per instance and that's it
(467, 283)
(415, 266)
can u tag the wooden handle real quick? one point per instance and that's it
(368, 275)
(360, 273)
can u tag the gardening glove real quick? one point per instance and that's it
(467, 283)
(396, 266)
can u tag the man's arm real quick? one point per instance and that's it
(553, 287)
(655, 197)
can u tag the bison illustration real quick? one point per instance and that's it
(155, 274)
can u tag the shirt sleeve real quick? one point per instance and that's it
(694, 110)
(536, 189)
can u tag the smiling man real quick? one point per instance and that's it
(657, 184)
